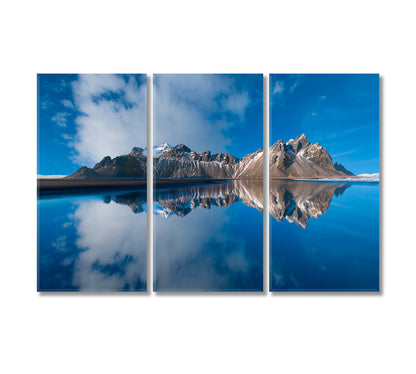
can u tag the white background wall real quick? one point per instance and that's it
(215, 333)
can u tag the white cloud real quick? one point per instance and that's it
(322, 98)
(58, 86)
(60, 243)
(236, 103)
(197, 110)
(344, 153)
(45, 104)
(294, 85)
(287, 87)
(295, 80)
(60, 119)
(67, 104)
(113, 116)
(278, 88)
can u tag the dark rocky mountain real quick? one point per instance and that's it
(341, 167)
(296, 158)
(133, 165)
(250, 166)
(84, 173)
(181, 162)
(300, 159)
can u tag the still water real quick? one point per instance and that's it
(324, 236)
(94, 242)
(209, 237)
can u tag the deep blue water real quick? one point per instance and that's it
(94, 242)
(206, 238)
(324, 237)
(337, 250)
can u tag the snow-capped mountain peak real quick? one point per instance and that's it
(158, 150)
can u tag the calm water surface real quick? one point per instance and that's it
(209, 237)
(324, 236)
(94, 242)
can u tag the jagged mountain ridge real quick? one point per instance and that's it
(296, 158)
(133, 165)
(182, 162)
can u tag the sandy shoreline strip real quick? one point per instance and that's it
(51, 186)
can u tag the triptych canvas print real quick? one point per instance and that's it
(209, 166)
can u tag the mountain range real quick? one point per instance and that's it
(297, 158)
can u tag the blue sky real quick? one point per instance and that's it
(338, 111)
(220, 113)
(82, 118)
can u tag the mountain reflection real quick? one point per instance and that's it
(134, 200)
(297, 201)
(218, 247)
(183, 200)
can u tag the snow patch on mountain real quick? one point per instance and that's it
(159, 150)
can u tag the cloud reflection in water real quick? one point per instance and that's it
(206, 239)
(91, 243)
